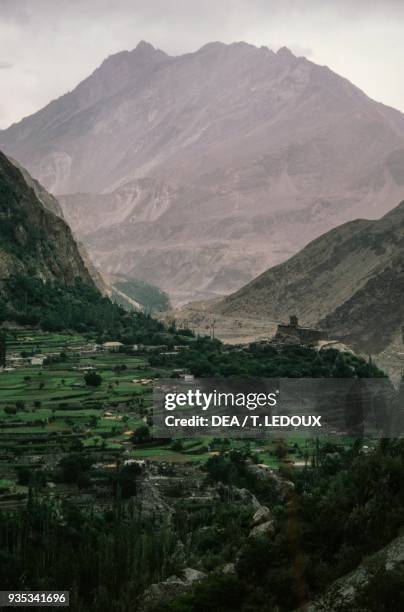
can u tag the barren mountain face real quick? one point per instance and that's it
(349, 281)
(198, 172)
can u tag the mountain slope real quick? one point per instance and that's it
(46, 198)
(198, 172)
(33, 240)
(350, 281)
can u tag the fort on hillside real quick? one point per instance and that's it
(292, 333)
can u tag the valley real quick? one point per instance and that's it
(234, 214)
(78, 460)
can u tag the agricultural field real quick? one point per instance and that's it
(39, 401)
(49, 410)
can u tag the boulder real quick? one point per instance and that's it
(246, 496)
(262, 515)
(190, 575)
(169, 588)
(229, 569)
(264, 529)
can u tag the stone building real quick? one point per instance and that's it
(292, 333)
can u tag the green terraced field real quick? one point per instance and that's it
(49, 410)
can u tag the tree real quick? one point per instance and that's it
(3, 336)
(141, 434)
(177, 446)
(92, 379)
(74, 466)
(125, 480)
(24, 475)
(3, 311)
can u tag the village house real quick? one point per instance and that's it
(38, 360)
(113, 347)
(187, 377)
(18, 362)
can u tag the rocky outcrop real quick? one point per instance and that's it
(229, 569)
(169, 588)
(151, 500)
(282, 485)
(262, 515)
(262, 523)
(264, 529)
(246, 497)
(346, 593)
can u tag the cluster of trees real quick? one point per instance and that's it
(74, 468)
(364, 495)
(149, 296)
(231, 470)
(82, 308)
(78, 468)
(207, 358)
(79, 307)
(107, 559)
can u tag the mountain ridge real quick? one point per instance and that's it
(211, 166)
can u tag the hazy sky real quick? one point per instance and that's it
(48, 46)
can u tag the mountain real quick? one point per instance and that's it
(52, 204)
(198, 172)
(349, 281)
(46, 198)
(34, 241)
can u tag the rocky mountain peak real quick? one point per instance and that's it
(146, 52)
(144, 47)
(285, 52)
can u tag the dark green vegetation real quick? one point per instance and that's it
(55, 306)
(34, 241)
(77, 513)
(107, 558)
(150, 297)
(207, 358)
(364, 495)
(86, 394)
(79, 397)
